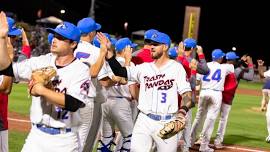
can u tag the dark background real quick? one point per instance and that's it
(223, 23)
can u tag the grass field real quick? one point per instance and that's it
(246, 126)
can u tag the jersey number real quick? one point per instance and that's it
(164, 96)
(61, 114)
(216, 76)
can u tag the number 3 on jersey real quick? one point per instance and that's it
(164, 96)
(216, 76)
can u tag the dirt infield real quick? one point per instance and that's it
(18, 122)
(252, 92)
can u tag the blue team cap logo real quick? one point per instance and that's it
(124, 42)
(67, 30)
(231, 56)
(12, 30)
(217, 54)
(148, 34)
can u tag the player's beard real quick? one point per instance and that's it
(156, 55)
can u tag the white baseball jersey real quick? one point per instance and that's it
(67, 81)
(215, 79)
(120, 90)
(266, 74)
(159, 86)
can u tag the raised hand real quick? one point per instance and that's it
(199, 50)
(104, 42)
(181, 49)
(3, 25)
(128, 55)
(193, 64)
(260, 62)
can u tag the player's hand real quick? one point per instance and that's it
(105, 43)
(193, 64)
(199, 50)
(35, 88)
(181, 49)
(128, 55)
(3, 25)
(260, 62)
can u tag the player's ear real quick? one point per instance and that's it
(166, 47)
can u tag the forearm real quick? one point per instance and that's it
(6, 85)
(260, 70)
(186, 99)
(134, 91)
(116, 67)
(202, 65)
(53, 97)
(5, 59)
(249, 75)
(95, 68)
(107, 82)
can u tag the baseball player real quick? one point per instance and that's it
(117, 110)
(230, 86)
(158, 102)
(95, 58)
(210, 98)
(144, 55)
(5, 88)
(266, 75)
(265, 94)
(54, 113)
(186, 54)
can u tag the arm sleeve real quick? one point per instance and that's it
(248, 75)
(116, 67)
(202, 65)
(182, 84)
(26, 50)
(72, 104)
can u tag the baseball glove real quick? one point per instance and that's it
(173, 127)
(42, 76)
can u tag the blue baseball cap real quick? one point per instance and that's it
(148, 34)
(190, 43)
(124, 42)
(97, 44)
(162, 38)
(173, 52)
(67, 30)
(12, 30)
(87, 25)
(50, 38)
(217, 54)
(231, 56)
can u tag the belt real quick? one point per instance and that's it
(159, 117)
(51, 130)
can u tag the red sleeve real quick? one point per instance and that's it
(26, 50)
(201, 56)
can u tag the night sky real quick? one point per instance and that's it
(223, 23)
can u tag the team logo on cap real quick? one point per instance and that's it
(62, 25)
(154, 36)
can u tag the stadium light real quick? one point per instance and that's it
(234, 48)
(62, 11)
